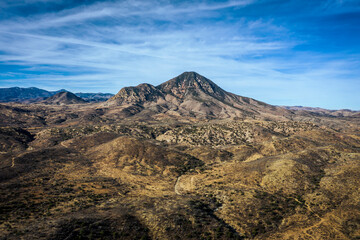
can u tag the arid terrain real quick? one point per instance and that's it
(182, 160)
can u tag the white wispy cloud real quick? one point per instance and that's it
(118, 10)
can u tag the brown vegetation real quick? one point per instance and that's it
(84, 171)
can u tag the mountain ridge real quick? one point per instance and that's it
(34, 94)
(188, 95)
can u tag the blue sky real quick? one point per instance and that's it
(280, 52)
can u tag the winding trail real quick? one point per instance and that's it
(305, 230)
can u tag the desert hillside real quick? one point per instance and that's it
(182, 160)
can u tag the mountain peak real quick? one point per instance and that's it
(191, 74)
(64, 98)
(189, 77)
(191, 83)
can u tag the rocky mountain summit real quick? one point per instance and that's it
(192, 83)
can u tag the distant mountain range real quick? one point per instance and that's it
(322, 111)
(189, 95)
(33, 94)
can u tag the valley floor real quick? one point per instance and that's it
(229, 179)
